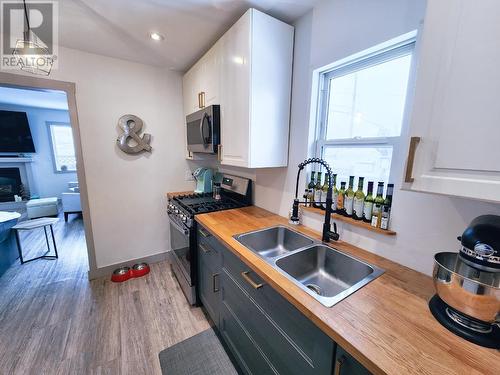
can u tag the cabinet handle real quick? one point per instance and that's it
(219, 152)
(411, 158)
(201, 99)
(250, 281)
(213, 282)
(204, 249)
(338, 365)
(203, 233)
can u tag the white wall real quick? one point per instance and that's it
(126, 193)
(425, 223)
(47, 183)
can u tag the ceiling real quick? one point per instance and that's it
(50, 99)
(120, 28)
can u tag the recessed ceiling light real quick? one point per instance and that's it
(156, 36)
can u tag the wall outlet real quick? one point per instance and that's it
(188, 175)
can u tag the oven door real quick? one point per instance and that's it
(200, 131)
(183, 260)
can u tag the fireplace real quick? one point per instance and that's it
(10, 184)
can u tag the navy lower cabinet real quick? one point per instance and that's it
(209, 271)
(265, 333)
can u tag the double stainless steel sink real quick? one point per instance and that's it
(326, 274)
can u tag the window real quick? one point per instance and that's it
(361, 108)
(63, 150)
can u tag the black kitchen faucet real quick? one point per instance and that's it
(328, 234)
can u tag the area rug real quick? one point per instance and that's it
(202, 354)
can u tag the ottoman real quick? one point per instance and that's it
(42, 207)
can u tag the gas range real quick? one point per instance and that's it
(235, 192)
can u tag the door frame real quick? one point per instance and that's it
(27, 82)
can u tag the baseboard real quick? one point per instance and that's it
(108, 270)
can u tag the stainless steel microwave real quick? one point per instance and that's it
(203, 130)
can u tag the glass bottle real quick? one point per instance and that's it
(335, 192)
(324, 192)
(359, 200)
(317, 192)
(349, 197)
(368, 205)
(310, 186)
(378, 202)
(386, 207)
(340, 199)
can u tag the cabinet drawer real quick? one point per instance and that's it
(207, 248)
(285, 353)
(247, 353)
(309, 340)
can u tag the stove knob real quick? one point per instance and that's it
(176, 211)
(184, 218)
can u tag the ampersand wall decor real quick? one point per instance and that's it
(132, 126)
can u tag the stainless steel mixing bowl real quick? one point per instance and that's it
(468, 290)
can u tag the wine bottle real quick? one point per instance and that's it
(310, 197)
(359, 200)
(310, 186)
(324, 192)
(335, 192)
(317, 191)
(349, 197)
(340, 199)
(306, 198)
(386, 207)
(368, 205)
(377, 205)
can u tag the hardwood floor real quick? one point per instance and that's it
(54, 321)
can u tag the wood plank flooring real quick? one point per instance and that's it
(54, 321)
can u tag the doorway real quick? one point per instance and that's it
(41, 149)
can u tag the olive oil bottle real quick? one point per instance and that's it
(386, 207)
(349, 197)
(377, 205)
(340, 199)
(368, 205)
(310, 187)
(324, 192)
(335, 192)
(317, 192)
(359, 200)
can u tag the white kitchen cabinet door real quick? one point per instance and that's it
(211, 73)
(235, 92)
(456, 112)
(255, 91)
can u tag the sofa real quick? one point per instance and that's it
(71, 200)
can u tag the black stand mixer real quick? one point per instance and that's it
(467, 300)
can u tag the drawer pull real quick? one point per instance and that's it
(204, 249)
(411, 158)
(338, 365)
(214, 288)
(254, 285)
(203, 233)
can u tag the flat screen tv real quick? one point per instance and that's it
(15, 134)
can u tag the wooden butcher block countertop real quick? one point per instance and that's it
(386, 325)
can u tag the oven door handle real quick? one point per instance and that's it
(184, 231)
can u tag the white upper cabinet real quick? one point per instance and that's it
(455, 122)
(248, 72)
(201, 83)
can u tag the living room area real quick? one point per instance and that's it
(39, 189)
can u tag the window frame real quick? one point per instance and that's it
(52, 149)
(377, 54)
